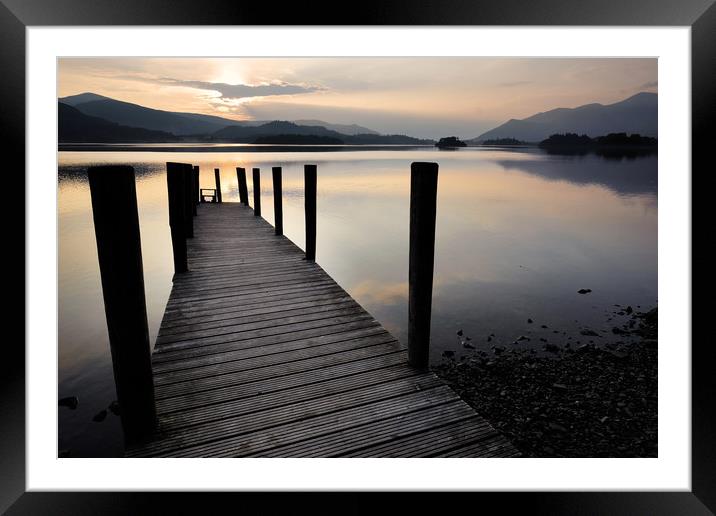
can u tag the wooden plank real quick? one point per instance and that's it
(262, 308)
(232, 377)
(430, 442)
(259, 314)
(492, 446)
(261, 353)
(245, 293)
(179, 295)
(270, 349)
(259, 296)
(319, 331)
(248, 435)
(254, 403)
(354, 439)
(256, 362)
(262, 330)
(244, 324)
(270, 385)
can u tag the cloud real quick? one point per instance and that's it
(243, 91)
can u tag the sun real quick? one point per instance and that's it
(230, 71)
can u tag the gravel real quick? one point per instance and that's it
(585, 402)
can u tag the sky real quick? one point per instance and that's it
(423, 97)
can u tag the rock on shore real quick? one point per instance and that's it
(588, 402)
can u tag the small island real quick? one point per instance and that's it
(450, 142)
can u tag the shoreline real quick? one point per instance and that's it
(584, 402)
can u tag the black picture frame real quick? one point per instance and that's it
(700, 15)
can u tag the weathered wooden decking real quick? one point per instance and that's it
(261, 353)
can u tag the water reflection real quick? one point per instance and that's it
(624, 174)
(518, 233)
(615, 153)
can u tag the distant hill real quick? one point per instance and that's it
(134, 115)
(636, 114)
(176, 122)
(385, 139)
(78, 127)
(297, 139)
(350, 129)
(73, 126)
(242, 134)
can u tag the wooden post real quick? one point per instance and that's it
(423, 202)
(309, 174)
(243, 188)
(189, 204)
(119, 249)
(257, 192)
(197, 197)
(217, 177)
(277, 200)
(177, 226)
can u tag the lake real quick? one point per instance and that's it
(519, 232)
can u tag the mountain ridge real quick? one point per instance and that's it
(178, 122)
(73, 126)
(635, 114)
(76, 126)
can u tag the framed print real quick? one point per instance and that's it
(422, 252)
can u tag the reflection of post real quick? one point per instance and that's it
(175, 190)
(257, 192)
(116, 226)
(196, 188)
(217, 178)
(277, 200)
(189, 205)
(243, 188)
(423, 200)
(309, 174)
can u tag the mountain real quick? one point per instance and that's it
(243, 134)
(74, 100)
(385, 139)
(213, 119)
(350, 129)
(176, 122)
(134, 115)
(297, 139)
(178, 126)
(73, 126)
(636, 114)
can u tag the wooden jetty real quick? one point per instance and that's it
(261, 353)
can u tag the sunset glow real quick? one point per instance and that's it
(424, 97)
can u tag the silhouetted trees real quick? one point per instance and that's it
(566, 140)
(504, 141)
(610, 140)
(623, 139)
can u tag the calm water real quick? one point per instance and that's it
(518, 233)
